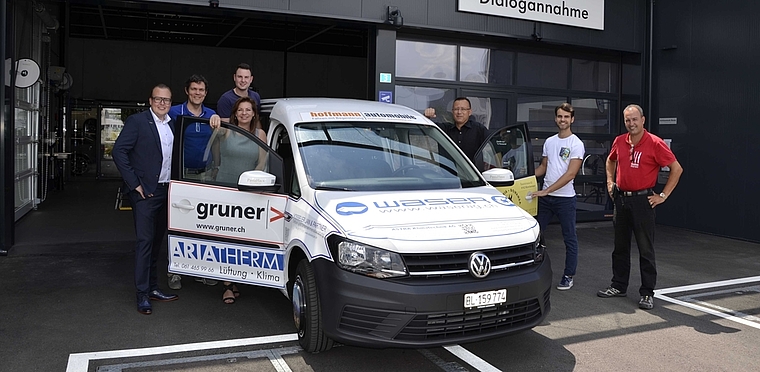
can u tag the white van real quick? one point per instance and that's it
(369, 218)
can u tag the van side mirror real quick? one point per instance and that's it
(257, 181)
(499, 177)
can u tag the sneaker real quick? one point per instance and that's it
(206, 281)
(566, 283)
(646, 302)
(610, 292)
(175, 281)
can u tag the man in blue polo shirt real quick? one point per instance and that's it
(243, 78)
(196, 138)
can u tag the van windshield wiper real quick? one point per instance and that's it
(332, 188)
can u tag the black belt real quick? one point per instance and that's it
(637, 193)
(164, 184)
(195, 171)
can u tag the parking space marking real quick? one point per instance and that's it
(695, 287)
(278, 361)
(442, 364)
(471, 359)
(274, 356)
(694, 299)
(80, 361)
(660, 293)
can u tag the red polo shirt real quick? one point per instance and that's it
(638, 170)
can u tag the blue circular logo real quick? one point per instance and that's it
(503, 200)
(349, 208)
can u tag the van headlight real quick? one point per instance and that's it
(368, 260)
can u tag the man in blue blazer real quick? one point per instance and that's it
(143, 155)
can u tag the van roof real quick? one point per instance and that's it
(291, 111)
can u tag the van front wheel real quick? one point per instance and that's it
(307, 313)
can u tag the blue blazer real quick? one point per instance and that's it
(137, 152)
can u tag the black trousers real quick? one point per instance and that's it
(150, 216)
(634, 216)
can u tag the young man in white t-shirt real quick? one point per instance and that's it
(562, 158)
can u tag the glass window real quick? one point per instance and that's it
(594, 76)
(591, 181)
(631, 79)
(536, 70)
(420, 98)
(592, 115)
(220, 156)
(232, 152)
(417, 59)
(24, 158)
(23, 192)
(479, 65)
(538, 112)
(361, 156)
(506, 149)
(491, 112)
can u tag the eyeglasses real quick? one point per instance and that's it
(458, 109)
(161, 100)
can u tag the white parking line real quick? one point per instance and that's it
(471, 359)
(695, 287)
(80, 362)
(660, 293)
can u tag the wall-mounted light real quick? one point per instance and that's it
(394, 16)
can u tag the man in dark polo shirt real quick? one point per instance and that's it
(466, 133)
(243, 78)
(632, 167)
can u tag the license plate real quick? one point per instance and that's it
(483, 299)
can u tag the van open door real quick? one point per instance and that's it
(225, 207)
(510, 148)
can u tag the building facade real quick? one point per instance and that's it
(515, 60)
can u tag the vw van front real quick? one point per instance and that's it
(393, 238)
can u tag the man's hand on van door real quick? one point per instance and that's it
(215, 121)
(429, 112)
(539, 193)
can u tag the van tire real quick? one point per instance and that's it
(307, 312)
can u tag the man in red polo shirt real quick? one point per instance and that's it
(635, 160)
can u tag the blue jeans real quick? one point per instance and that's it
(564, 209)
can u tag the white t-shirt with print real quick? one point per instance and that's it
(558, 153)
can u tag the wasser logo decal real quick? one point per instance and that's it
(503, 200)
(349, 208)
(420, 205)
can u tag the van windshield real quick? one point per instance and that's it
(361, 156)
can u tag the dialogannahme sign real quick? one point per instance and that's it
(578, 13)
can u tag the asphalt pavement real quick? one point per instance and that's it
(67, 293)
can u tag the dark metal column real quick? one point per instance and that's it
(385, 61)
(7, 169)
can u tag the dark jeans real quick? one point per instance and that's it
(150, 229)
(633, 214)
(564, 208)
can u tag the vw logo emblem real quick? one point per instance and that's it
(480, 265)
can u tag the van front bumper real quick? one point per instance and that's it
(363, 311)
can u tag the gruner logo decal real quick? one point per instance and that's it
(349, 208)
(480, 265)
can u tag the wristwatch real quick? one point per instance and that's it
(663, 196)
